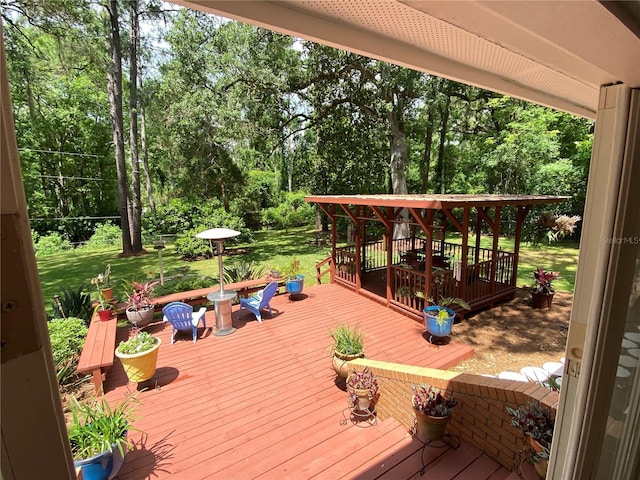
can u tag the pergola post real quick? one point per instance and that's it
(465, 252)
(494, 250)
(523, 210)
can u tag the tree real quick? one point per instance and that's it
(114, 90)
(136, 199)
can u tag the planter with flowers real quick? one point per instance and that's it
(542, 293)
(139, 356)
(139, 310)
(433, 411)
(363, 389)
(103, 308)
(106, 288)
(536, 424)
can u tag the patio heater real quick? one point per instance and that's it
(221, 298)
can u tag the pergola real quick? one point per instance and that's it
(395, 267)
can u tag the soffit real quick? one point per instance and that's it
(553, 53)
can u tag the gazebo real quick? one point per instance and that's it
(392, 268)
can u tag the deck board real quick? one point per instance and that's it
(263, 403)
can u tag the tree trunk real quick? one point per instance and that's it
(439, 180)
(426, 159)
(136, 200)
(114, 90)
(397, 164)
(145, 151)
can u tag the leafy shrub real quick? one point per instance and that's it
(192, 248)
(182, 284)
(292, 211)
(105, 235)
(50, 244)
(180, 216)
(74, 302)
(67, 338)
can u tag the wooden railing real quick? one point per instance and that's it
(484, 279)
(345, 265)
(321, 273)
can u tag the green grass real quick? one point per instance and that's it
(77, 267)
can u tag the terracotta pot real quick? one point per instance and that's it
(431, 428)
(363, 402)
(107, 293)
(104, 314)
(340, 363)
(541, 300)
(541, 465)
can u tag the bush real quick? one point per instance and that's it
(67, 338)
(75, 302)
(182, 284)
(105, 235)
(50, 244)
(292, 211)
(192, 248)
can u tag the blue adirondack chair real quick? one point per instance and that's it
(259, 301)
(182, 317)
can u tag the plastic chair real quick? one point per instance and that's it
(259, 301)
(182, 317)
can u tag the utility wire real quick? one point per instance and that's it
(57, 152)
(72, 218)
(72, 178)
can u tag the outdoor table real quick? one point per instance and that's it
(222, 301)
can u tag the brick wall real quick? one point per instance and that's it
(479, 418)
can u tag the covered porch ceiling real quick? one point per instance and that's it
(554, 53)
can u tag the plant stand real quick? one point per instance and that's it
(360, 418)
(448, 440)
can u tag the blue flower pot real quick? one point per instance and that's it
(294, 285)
(103, 466)
(438, 328)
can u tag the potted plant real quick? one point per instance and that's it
(98, 436)
(363, 389)
(294, 280)
(438, 317)
(432, 409)
(273, 271)
(347, 345)
(542, 293)
(103, 307)
(139, 355)
(139, 310)
(536, 424)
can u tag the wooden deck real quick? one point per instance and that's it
(263, 402)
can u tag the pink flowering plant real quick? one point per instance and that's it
(140, 295)
(543, 281)
(431, 401)
(364, 380)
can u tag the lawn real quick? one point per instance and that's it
(77, 267)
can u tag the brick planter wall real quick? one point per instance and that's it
(479, 418)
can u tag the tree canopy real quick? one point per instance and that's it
(237, 116)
